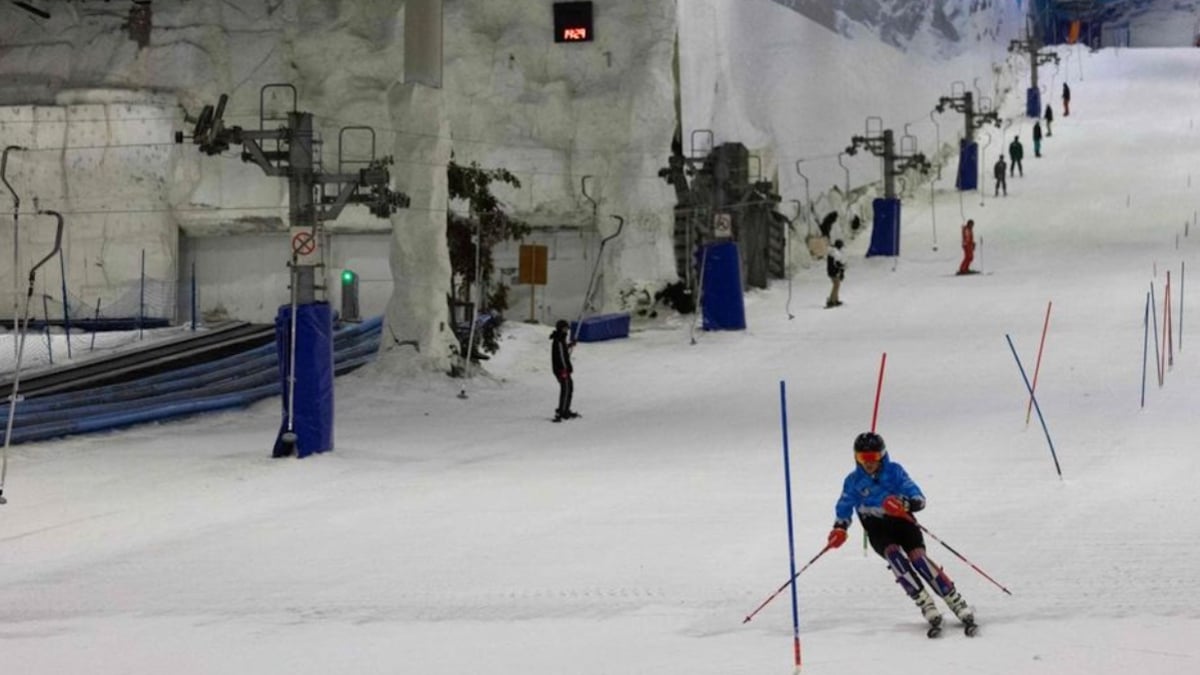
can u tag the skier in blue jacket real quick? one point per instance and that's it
(884, 496)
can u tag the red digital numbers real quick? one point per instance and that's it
(574, 34)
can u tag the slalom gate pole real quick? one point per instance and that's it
(960, 556)
(787, 488)
(142, 297)
(786, 584)
(878, 391)
(1169, 346)
(62, 266)
(1182, 267)
(1035, 405)
(1154, 322)
(1038, 366)
(1145, 345)
(875, 418)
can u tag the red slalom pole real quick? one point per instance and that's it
(785, 585)
(1038, 366)
(960, 556)
(1170, 323)
(878, 391)
(874, 418)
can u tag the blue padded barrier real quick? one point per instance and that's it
(721, 298)
(885, 235)
(1033, 102)
(968, 166)
(311, 406)
(601, 327)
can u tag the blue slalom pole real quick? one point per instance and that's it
(787, 483)
(1036, 407)
(1145, 346)
(1154, 322)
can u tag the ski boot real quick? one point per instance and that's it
(964, 613)
(930, 611)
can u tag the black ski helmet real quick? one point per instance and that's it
(562, 325)
(869, 441)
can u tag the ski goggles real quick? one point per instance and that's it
(868, 457)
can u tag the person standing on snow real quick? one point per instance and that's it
(883, 495)
(999, 171)
(560, 361)
(1066, 96)
(1037, 139)
(968, 247)
(835, 268)
(1016, 152)
(1049, 117)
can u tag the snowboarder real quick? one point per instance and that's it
(1016, 152)
(1049, 116)
(560, 359)
(999, 171)
(968, 247)
(1037, 139)
(1066, 96)
(835, 267)
(884, 496)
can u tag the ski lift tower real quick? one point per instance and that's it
(963, 101)
(885, 232)
(304, 327)
(1032, 47)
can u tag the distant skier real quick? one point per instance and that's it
(835, 268)
(968, 247)
(1049, 117)
(884, 497)
(999, 170)
(1016, 152)
(1037, 139)
(560, 360)
(1066, 96)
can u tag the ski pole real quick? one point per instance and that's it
(960, 556)
(786, 584)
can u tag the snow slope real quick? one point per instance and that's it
(446, 536)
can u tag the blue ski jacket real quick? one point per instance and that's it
(865, 493)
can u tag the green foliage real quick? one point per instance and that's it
(473, 185)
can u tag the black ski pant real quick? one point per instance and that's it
(566, 388)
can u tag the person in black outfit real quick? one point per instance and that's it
(1066, 100)
(1049, 117)
(835, 269)
(560, 359)
(1037, 139)
(1016, 152)
(999, 171)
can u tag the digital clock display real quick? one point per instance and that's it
(573, 22)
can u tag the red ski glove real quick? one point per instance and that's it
(895, 507)
(564, 374)
(837, 537)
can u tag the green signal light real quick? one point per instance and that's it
(348, 277)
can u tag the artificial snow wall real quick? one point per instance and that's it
(791, 79)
